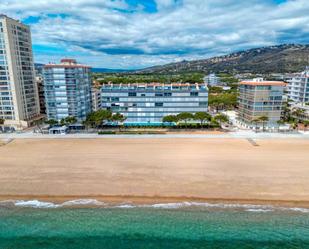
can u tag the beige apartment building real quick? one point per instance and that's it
(19, 105)
(258, 98)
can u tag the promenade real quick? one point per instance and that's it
(235, 134)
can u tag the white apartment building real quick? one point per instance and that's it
(19, 105)
(298, 86)
(212, 79)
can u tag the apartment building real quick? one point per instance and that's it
(19, 102)
(40, 86)
(149, 103)
(258, 98)
(96, 98)
(298, 86)
(212, 79)
(67, 88)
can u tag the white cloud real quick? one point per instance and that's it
(114, 34)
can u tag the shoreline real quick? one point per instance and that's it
(151, 200)
(169, 170)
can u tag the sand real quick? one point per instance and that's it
(156, 169)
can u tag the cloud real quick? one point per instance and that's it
(117, 33)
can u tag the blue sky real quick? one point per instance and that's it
(140, 33)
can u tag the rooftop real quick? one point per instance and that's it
(66, 63)
(261, 82)
(155, 86)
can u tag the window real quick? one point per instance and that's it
(203, 104)
(132, 94)
(158, 104)
(167, 94)
(193, 93)
(159, 94)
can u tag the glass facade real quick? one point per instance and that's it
(67, 91)
(149, 103)
(260, 100)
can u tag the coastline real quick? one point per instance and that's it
(155, 170)
(90, 201)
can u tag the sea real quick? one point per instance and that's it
(90, 224)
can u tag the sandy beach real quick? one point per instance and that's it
(157, 169)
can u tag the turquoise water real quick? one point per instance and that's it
(148, 228)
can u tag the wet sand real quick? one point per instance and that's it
(157, 170)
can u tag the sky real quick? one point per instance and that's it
(131, 34)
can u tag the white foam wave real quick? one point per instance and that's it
(259, 210)
(35, 204)
(92, 202)
(125, 206)
(295, 209)
(175, 205)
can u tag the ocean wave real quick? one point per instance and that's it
(35, 204)
(172, 205)
(91, 202)
(125, 206)
(259, 210)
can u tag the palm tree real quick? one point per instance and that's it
(280, 122)
(221, 118)
(263, 119)
(298, 112)
(256, 121)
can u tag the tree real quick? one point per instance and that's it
(221, 118)
(68, 120)
(51, 122)
(255, 121)
(263, 119)
(280, 122)
(95, 119)
(2, 121)
(185, 116)
(170, 119)
(202, 117)
(306, 124)
(119, 118)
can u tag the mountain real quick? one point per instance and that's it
(274, 59)
(107, 70)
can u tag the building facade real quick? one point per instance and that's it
(19, 104)
(67, 88)
(149, 103)
(212, 79)
(298, 87)
(258, 98)
(96, 99)
(40, 86)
